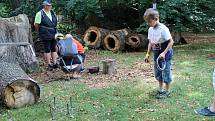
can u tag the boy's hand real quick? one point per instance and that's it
(162, 55)
(146, 59)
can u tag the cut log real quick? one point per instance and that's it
(17, 89)
(94, 36)
(108, 66)
(115, 40)
(14, 32)
(135, 40)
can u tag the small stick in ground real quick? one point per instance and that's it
(67, 107)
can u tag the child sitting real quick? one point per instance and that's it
(70, 61)
(80, 49)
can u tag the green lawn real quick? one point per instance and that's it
(129, 99)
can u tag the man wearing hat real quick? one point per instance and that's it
(45, 23)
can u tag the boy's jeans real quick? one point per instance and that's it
(166, 74)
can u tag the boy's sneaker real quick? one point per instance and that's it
(160, 91)
(163, 94)
(204, 112)
(55, 66)
(50, 67)
(82, 70)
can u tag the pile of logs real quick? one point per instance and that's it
(116, 40)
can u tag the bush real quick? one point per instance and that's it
(4, 10)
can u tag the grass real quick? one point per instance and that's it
(129, 99)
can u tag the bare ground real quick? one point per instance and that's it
(140, 70)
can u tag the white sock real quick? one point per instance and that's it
(161, 90)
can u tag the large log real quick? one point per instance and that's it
(94, 36)
(17, 57)
(137, 41)
(115, 40)
(17, 30)
(17, 89)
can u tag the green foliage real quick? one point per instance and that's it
(29, 7)
(80, 9)
(66, 28)
(4, 10)
(187, 15)
(178, 15)
(143, 28)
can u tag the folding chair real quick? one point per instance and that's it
(71, 63)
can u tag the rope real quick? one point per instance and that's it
(163, 63)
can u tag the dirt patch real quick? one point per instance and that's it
(97, 80)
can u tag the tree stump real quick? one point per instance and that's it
(108, 66)
(17, 89)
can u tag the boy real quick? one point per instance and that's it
(161, 42)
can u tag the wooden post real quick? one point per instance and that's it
(108, 66)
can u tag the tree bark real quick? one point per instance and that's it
(115, 40)
(13, 32)
(94, 36)
(17, 89)
(17, 57)
(135, 40)
(108, 66)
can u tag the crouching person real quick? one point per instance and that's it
(70, 60)
(80, 49)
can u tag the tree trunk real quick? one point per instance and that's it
(94, 36)
(176, 37)
(135, 40)
(108, 66)
(17, 57)
(17, 89)
(15, 42)
(115, 40)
